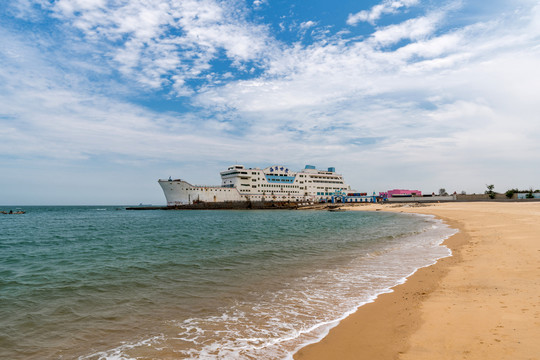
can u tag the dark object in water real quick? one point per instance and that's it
(11, 212)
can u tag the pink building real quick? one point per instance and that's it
(401, 193)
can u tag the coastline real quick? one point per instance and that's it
(479, 303)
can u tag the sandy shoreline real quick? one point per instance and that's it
(481, 303)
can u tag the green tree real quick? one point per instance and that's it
(442, 192)
(490, 191)
(510, 193)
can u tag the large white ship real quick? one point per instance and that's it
(274, 183)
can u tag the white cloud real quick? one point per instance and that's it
(412, 29)
(167, 42)
(375, 13)
(258, 3)
(42, 116)
(307, 24)
(26, 9)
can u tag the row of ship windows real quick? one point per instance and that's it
(245, 173)
(204, 189)
(253, 173)
(287, 175)
(276, 191)
(258, 179)
(278, 180)
(280, 185)
(270, 185)
(324, 177)
(273, 180)
(244, 190)
(301, 182)
(328, 182)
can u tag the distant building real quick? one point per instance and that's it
(524, 195)
(400, 193)
(359, 197)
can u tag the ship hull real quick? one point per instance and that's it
(179, 192)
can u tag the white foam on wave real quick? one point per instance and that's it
(277, 324)
(119, 353)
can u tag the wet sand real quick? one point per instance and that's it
(481, 303)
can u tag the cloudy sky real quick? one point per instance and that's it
(100, 98)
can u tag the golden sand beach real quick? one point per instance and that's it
(481, 303)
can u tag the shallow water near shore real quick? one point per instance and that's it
(105, 283)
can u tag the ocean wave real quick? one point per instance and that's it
(274, 325)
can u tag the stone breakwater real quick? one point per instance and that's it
(232, 205)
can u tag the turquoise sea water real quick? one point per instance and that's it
(106, 283)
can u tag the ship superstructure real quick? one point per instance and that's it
(274, 183)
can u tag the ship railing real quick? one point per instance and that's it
(210, 186)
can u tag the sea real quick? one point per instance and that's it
(102, 282)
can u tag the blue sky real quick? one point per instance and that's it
(100, 98)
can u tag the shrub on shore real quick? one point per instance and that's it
(528, 193)
(490, 191)
(510, 193)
